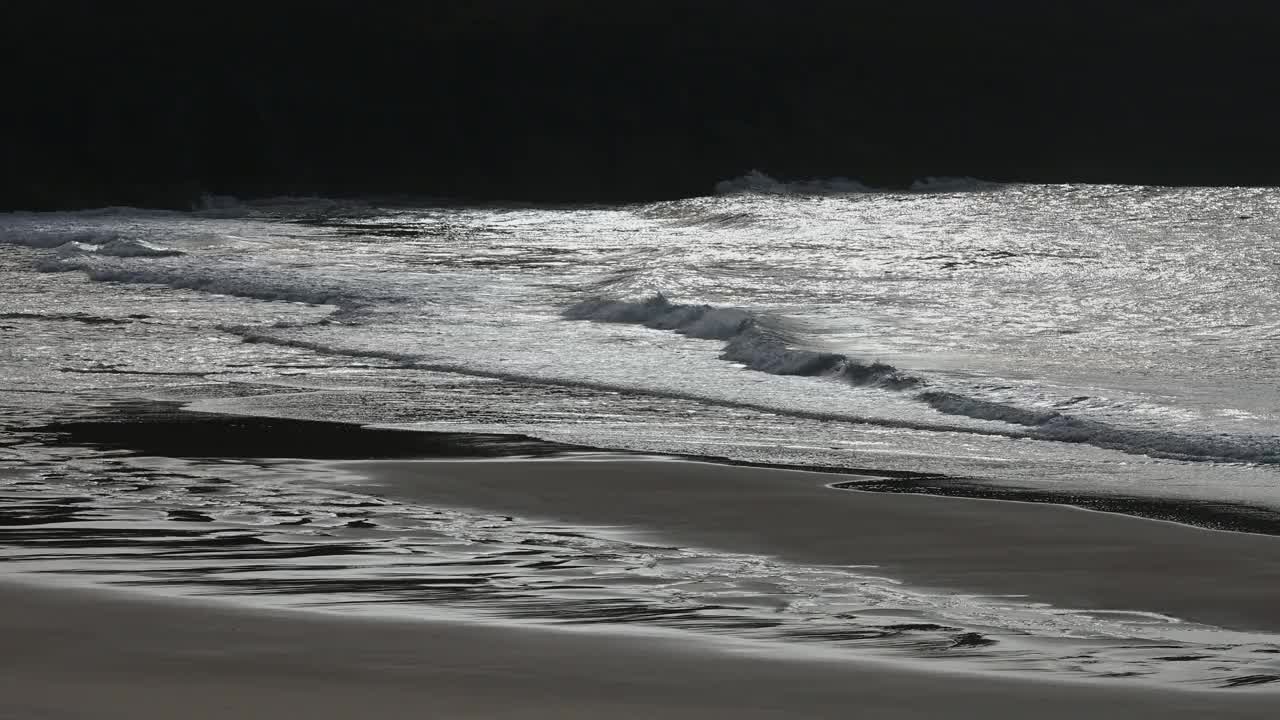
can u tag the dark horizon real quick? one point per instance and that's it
(565, 101)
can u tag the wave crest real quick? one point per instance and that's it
(119, 247)
(246, 282)
(754, 341)
(1060, 427)
(46, 239)
(73, 242)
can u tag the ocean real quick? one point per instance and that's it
(1107, 346)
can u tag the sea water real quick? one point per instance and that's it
(1104, 341)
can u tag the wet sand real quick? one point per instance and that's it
(107, 656)
(1065, 556)
(98, 654)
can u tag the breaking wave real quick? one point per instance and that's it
(48, 239)
(72, 242)
(247, 282)
(753, 341)
(766, 345)
(1060, 427)
(119, 247)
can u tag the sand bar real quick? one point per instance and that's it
(1060, 555)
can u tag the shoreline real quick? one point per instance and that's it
(1068, 557)
(170, 428)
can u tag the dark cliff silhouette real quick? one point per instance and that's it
(570, 100)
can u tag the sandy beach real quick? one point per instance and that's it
(89, 655)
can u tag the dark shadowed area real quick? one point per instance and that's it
(567, 100)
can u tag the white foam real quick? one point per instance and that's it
(118, 247)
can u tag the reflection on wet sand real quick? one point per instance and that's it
(300, 534)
